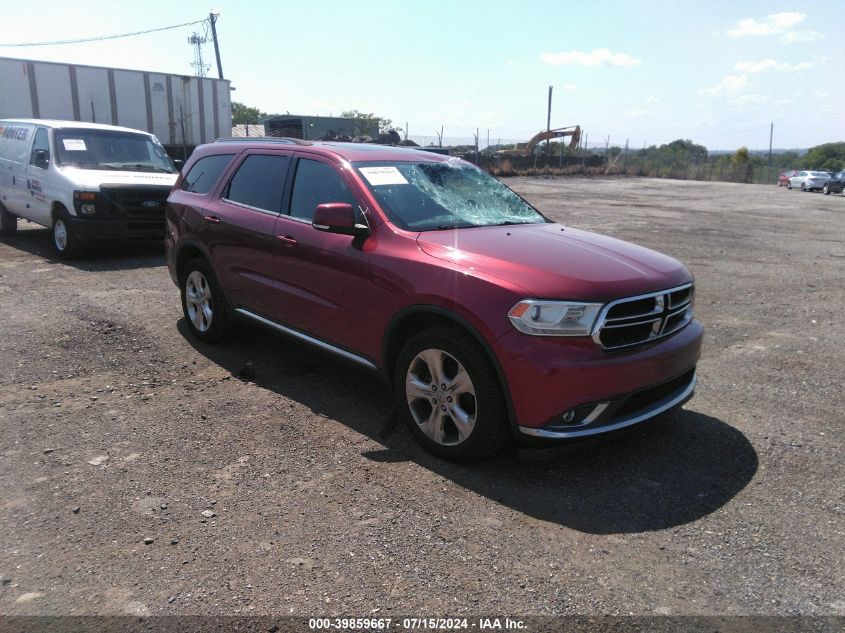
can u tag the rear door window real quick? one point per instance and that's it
(260, 182)
(316, 183)
(205, 172)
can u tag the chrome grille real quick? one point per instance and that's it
(636, 320)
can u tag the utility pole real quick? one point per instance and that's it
(549, 120)
(625, 163)
(769, 167)
(441, 136)
(406, 130)
(212, 17)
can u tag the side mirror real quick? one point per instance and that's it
(337, 217)
(41, 158)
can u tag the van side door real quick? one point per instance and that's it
(39, 178)
(16, 145)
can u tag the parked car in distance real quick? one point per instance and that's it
(808, 180)
(783, 179)
(835, 184)
(487, 320)
(87, 182)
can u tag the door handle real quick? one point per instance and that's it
(287, 239)
(213, 219)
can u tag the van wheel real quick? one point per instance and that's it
(203, 303)
(8, 222)
(448, 393)
(65, 243)
(826, 190)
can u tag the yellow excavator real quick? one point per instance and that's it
(574, 131)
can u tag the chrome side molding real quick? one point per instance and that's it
(305, 338)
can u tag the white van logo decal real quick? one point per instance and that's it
(150, 203)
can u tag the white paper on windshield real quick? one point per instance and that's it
(383, 176)
(74, 144)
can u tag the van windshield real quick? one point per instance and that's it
(429, 196)
(111, 149)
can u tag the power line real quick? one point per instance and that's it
(103, 37)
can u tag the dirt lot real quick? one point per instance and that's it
(116, 427)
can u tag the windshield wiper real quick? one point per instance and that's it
(142, 166)
(445, 227)
(103, 166)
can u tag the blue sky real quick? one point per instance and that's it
(715, 72)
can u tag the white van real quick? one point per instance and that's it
(85, 181)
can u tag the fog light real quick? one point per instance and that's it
(88, 209)
(568, 416)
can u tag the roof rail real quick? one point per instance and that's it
(283, 140)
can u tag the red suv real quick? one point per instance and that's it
(488, 320)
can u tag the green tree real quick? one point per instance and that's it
(829, 157)
(740, 156)
(244, 114)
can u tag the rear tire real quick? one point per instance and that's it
(466, 421)
(803, 187)
(66, 244)
(204, 304)
(789, 186)
(8, 222)
(826, 190)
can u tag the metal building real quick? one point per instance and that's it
(316, 127)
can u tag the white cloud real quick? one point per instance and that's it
(597, 57)
(568, 88)
(652, 99)
(801, 36)
(636, 114)
(820, 94)
(773, 24)
(729, 84)
(743, 101)
(765, 65)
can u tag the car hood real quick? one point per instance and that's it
(91, 179)
(555, 262)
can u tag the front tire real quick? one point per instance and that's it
(66, 244)
(789, 186)
(803, 187)
(447, 391)
(204, 304)
(826, 190)
(8, 222)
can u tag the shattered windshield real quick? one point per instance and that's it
(111, 149)
(428, 196)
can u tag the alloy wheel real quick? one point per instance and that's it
(198, 301)
(441, 397)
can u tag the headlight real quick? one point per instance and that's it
(554, 318)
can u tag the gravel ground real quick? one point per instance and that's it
(146, 473)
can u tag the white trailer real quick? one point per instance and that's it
(178, 109)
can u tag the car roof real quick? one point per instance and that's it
(353, 152)
(82, 125)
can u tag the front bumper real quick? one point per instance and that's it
(116, 229)
(549, 378)
(621, 412)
